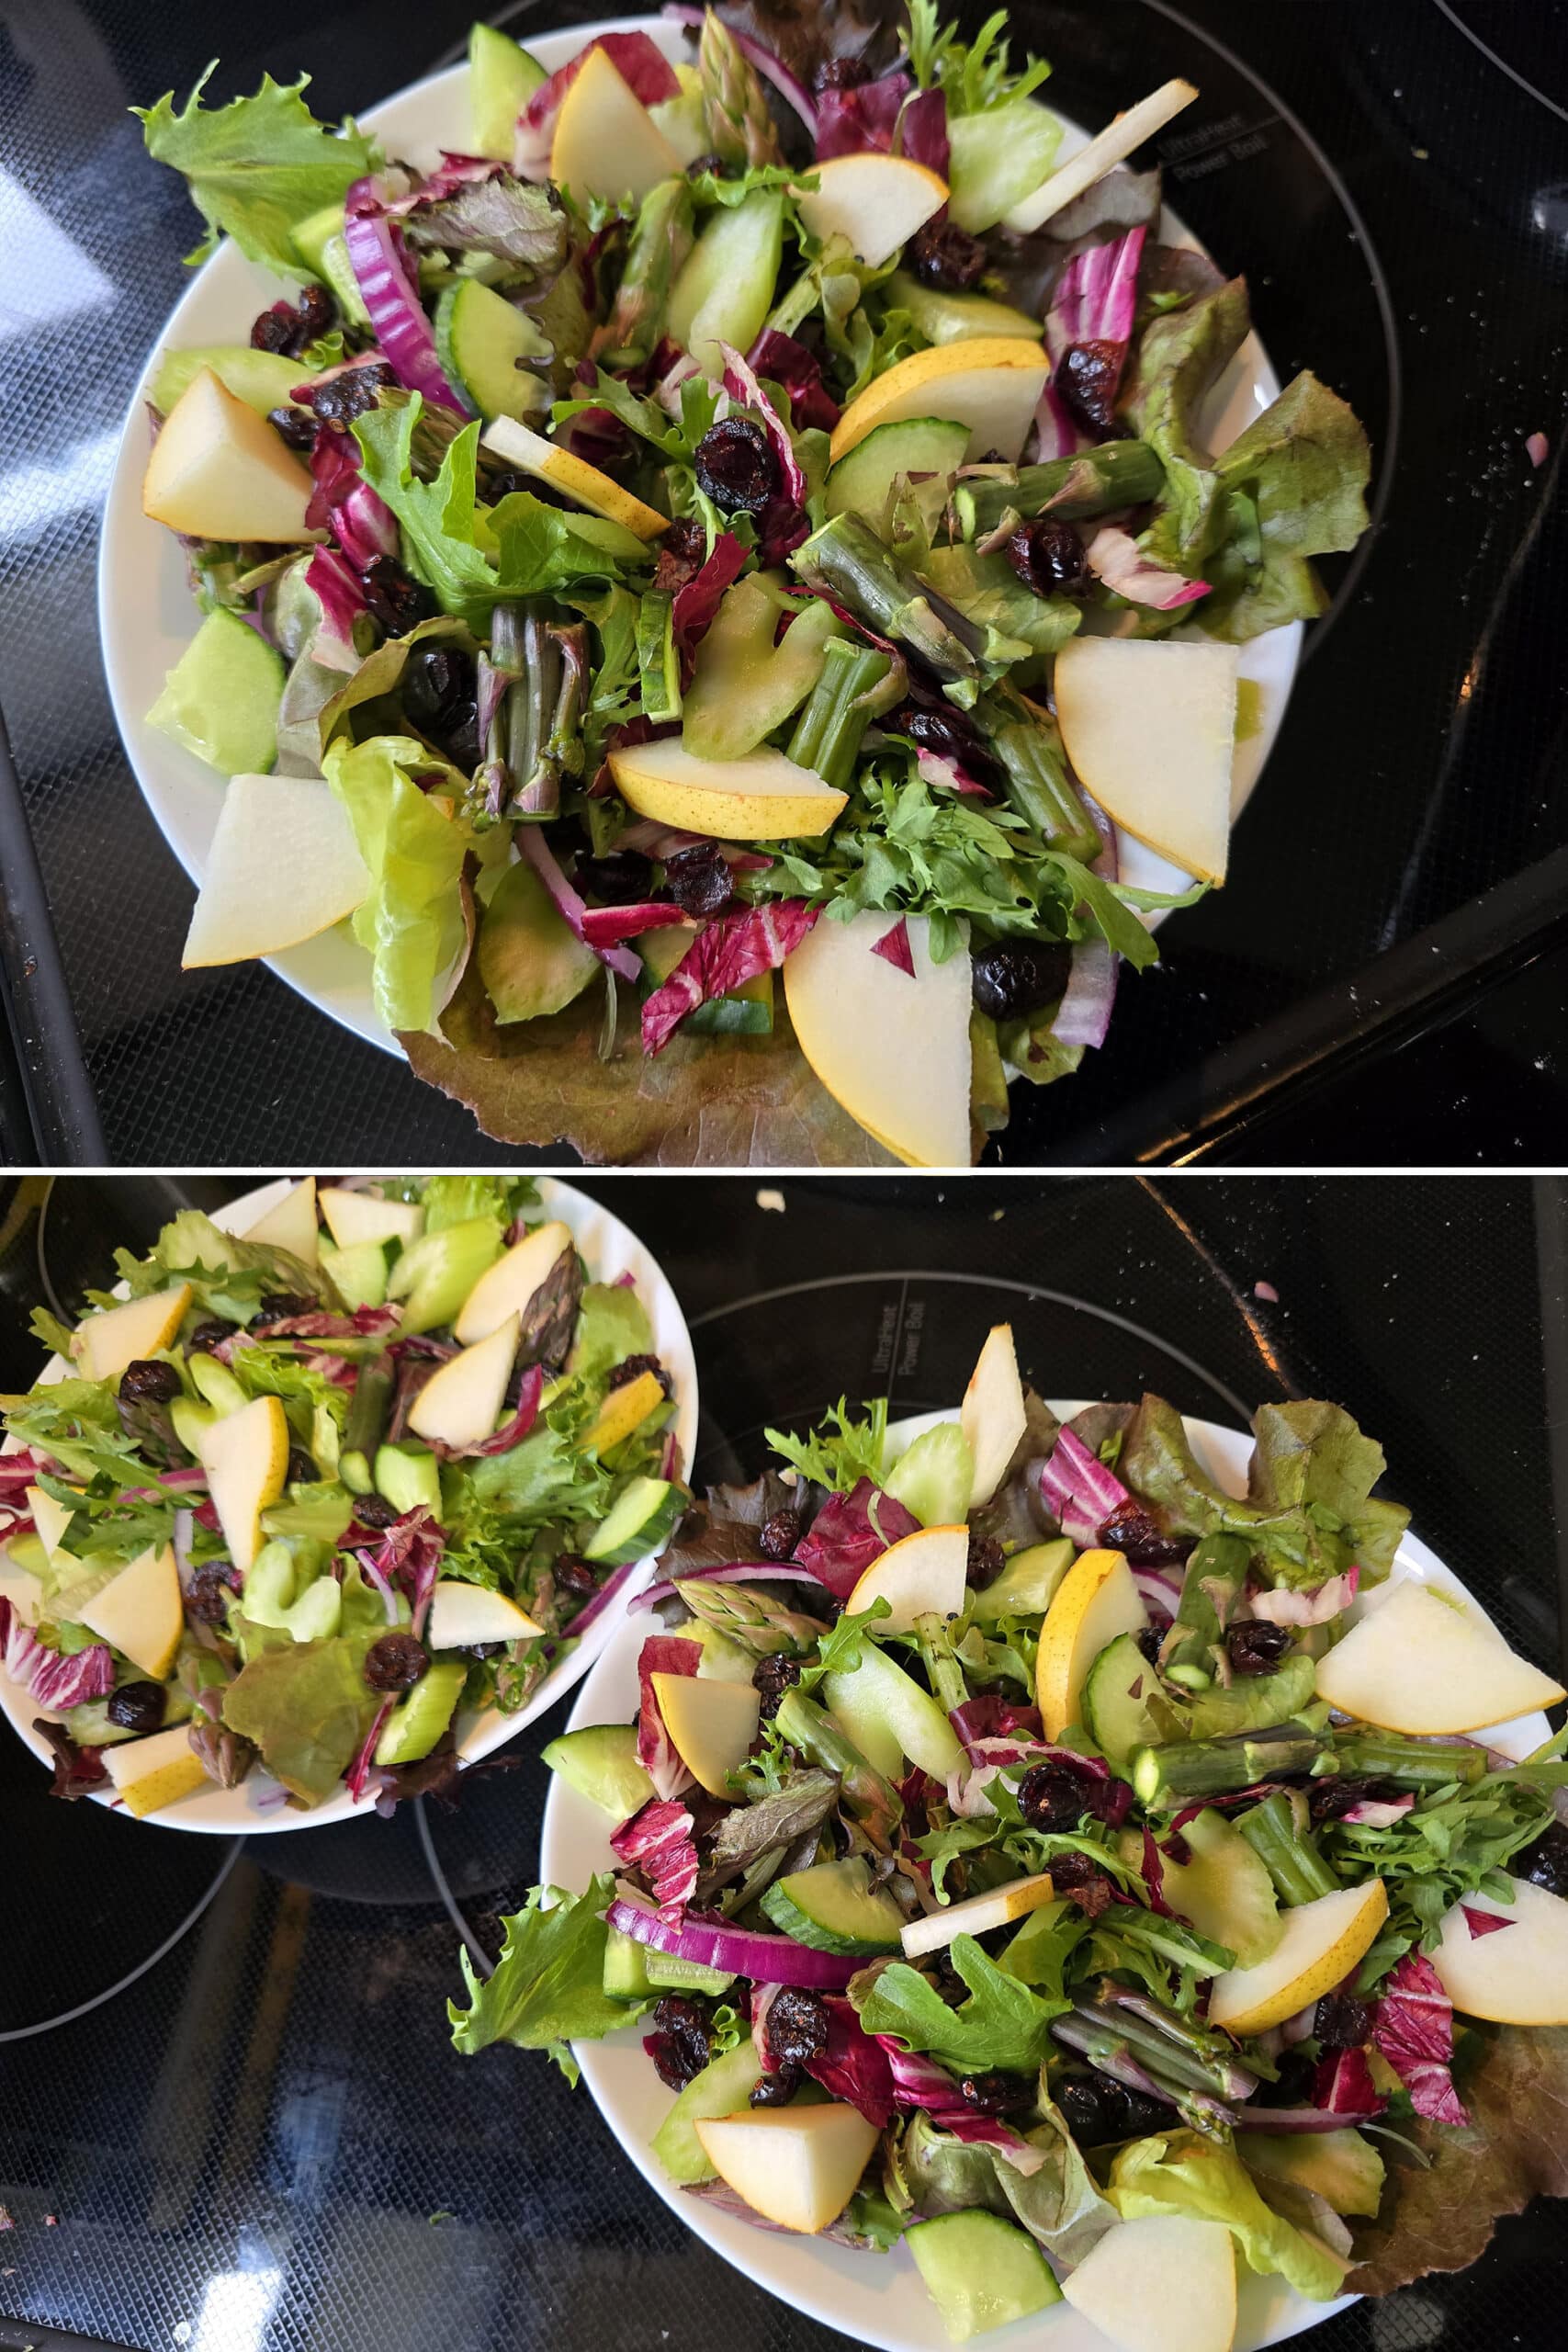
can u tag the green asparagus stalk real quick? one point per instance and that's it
(539, 722)
(848, 695)
(740, 129)
(1234, 2079)
(657, 657)
(1109, 2052)
(1119, 473)
(870, 1800)
(1167, 1777)
(1174, 2058)
(1290, 1855)
(1215, 1574)
(847, 561)
(660, 242)
(1411, 1763)
(1026, 742)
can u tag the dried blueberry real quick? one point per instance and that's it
(1012, 978)
(1048, 557)
(1099, 2112)
(395, 1662)
(736, 468)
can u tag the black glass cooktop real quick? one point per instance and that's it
(230, 2117)
(1394, 181)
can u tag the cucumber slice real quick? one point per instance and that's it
(887, 1716)
(482, 340)
(320, 245)
(955, 318)
(434, 1275)
(725, 289)
(417, 1722)
(862, 482)
(353, 1469)
(666, 1973)
(218, 1384)
(1116, 1693)
(1027, 1586)
(600, 1763)
(980, 2271)
(747, 1011)
(502, 78)
(639, 1523)
(625, 1974)
(834, 1907)
(263, 379)
(358, 1273)
(222, 699)
(997, 158)
(1225, 1890)
(722, 2088)
(409, 1477)
(936, 1477)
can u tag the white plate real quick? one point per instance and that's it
(146, 617)
(878, 2298)
(611, 1249)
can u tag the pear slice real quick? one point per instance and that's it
(798, 2166)
(572, 476)
(978, 1914)
(245, 1456)
(993, 1417)
(921, 1574)
(463, 1614)
(623, 1409)
(1096, 1600)
(1162, 2283)
(140, 1612)
(1112, 145)
(1149, 726)
(283, 866)
(1420, 1661)
(218, 471)
(150, 1774)
(712, 1724)
(292, 1225)
(876, 201)
(991, 383)
(352, 1218)
(1514, 1974)
(757, 795)
(1323, 1940)
(460, 1404)
(104, 1344)
(508, 1287)
(49, 1518)
(893, 1050)
(605, 142)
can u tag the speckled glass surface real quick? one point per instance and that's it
(1392, 177)
(263, 2141)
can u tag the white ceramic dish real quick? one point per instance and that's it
(146, 617)
(879, 2298)
(610, 1249)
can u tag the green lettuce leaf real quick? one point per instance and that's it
(1295, 484)
(1058, 2203)
(1003, 2023)
(989, 590)
(1180, 358)
(843, 1451)
(548, 1989)
(306, 1707)
(412, 920)
(256, 167)
(78, 1423)
(1184, 2173)
(612, 1324)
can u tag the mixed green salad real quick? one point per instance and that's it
(749, 514)
(1027, 1853)
(306, 1499)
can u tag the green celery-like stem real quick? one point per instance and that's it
(1164, 2057)
(872, 1801)
(1026, 742)
(735, 108)
(530, 706)
(1290, 1855)
(836, 712)
(1119, 473)
(845, 560)
(1167, 1778)
(661, 241)
(1412, 1763)
(658, 658)
(1216, 1572)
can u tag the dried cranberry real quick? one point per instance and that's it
(996, 2094)
(777, 2089)
(146, 1382)
(772, 1675)
(839, 73)
(208, 1336)
(1341, 2022)
(1011, 977)
(1133, 1530)
(437, 681)
(1545, 1863)
(289, 327)
(699, 878)
(207, 1601)
(683, 551)
(1257, 1647)
(778, 1536)
(1048, 557)
(632, 1368)
(1148, 1639)
(395, 1662)
(700, 165)
(375, 1510)
(1086, 377)
(947, 733)
(736, 468)
(576, 1577)
(138, 1706)
(1075, 1876)
(303, 1471)
(618, 880)
(1330, 1799)
(941, 253)
(281, 1306)
(682, 2044)
(1057, 1795)
(1099, 2112)
(797, 2024)
(294, 426)
(985, 1562)
(392, 598)
(353, 393)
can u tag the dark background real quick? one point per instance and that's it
(1406, 235)
(264, 2142)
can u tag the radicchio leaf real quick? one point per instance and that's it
(893, 948)
(661, 1840)
(55, 1681)
(1483, 1923)
(643, 67)
(1117, 560)
(734, 949)
(853, 2066)
(1342, 2084)
(848, 1533)
(863, 119)
(787, 362)
(1281, 1606)
(918, 2081)
(1413, 2028)
(655, 1751)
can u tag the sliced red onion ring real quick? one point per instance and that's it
(738, 1951)
(733, 1572)
(568, 905)
(390, 296)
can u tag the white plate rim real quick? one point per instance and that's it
(611, 1248)
(880, 2300)
(145, 613)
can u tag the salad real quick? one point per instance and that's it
(748, 517)
(1026, 1855)
(304, 1500)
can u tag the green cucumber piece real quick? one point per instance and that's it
(529, 961)
(434, 1275)
(834, 1907)
(416, 1723)
(936, 1477)
(658, 658)
(600, 1763)
(218, 1384)
(322, 247)
(482, 341)
(980, 2271)
(409, 1477)
(1026, 1585)
(501, 79)
(725, 289)
(956, 318)
(1116, 1693)
(263, 379)
(637, 1523)
(723, 2087)
(358, 1273)
(625, 1974)
(191, 1423)
(1224, 1891)
(887, 1716)
(667, 1973)
(997, 158)
(862, 482)
(222, 699)
(89, 1724)
(353, 1469)
(746, 1012)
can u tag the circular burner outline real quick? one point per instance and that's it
(68, 2016)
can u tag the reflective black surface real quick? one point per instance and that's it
(264, 2142)
(1393, 179)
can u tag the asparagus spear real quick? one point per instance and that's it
(1119, 473)
(871, 1799)
(661, 241)
(847, 561)
(735, 110)
(1157, 2039)
(850, 691)
(1167, 1778)
(1215, 1575)
(1290, 1855)
(1109, 2052)
(1412, 1763)
(535, 736)
(1026, 742)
